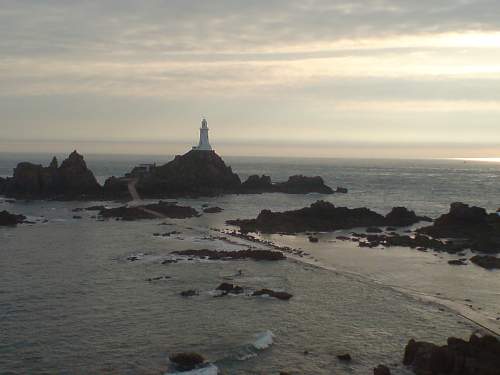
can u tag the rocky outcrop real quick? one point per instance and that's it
(381, 370)
(478, 356)
(10, 220)
(115, 187)
(186, 361)
(233, 255)
(212, 210)
(320, 216)
(486, 261)
(196, 173)
(149, 211)
(257, 184)
(297, 184)
(479, 230)
(70, 180)
(402, 217)
(271, 293)
(2, 185)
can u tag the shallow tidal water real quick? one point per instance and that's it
(71, 302)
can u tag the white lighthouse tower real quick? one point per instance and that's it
(204, 144)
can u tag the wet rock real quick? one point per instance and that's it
(212, 210)
(344, 357)
(486, 261)
(149, 211)
(232, 255)
(169, 261)
(313, 239)
(230, 288)
(279, 295)
(320, 216)
(11, 220)
(477, 229)
(186, 361)
(402, 217)
(77, 217)
(457, 262)
(256, 183)
(189, 293)
(478, 356)
(299, 184)
(341, 190)
(381, 370)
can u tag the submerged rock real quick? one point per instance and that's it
(381, 370)
(486, 261)
(232, 255)
(478, 356)
(189, 293)
(186, 361)
(10, 220)
(227, 288)
(344, 357)
(149, 211)
(269, 292)
(212, 210)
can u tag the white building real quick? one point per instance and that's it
(204, 144)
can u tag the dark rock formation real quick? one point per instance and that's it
(196, 172)
(381, 370)
(480, 230)
(341, 190)
(70, 180)
(271, 293)
(257, 184)
(320, 216)
(3, 181)
(313, 239)
(457, 262)
(232, 255)
(189, 293)
(186, 361)
(402, 217)
(115, 187)
(297, 184)
(149, 211)
(212, 210)
(344, 357)
(302, 185)
(478, 356)
(486, 261)
(227, 288)
(10, 220)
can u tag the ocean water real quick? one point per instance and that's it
(71, 302)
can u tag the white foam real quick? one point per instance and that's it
(207, 370)
(263, 340)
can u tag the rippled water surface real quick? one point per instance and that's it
(71, 302)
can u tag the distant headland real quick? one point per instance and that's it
(199, 172)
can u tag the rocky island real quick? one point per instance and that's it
(324, 216)
(196, 173)
(71, 180)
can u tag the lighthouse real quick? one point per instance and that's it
(204, 144)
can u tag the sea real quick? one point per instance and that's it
(72, 301)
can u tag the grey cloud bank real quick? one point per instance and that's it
(426, 71)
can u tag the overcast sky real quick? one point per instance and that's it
(376, 78)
